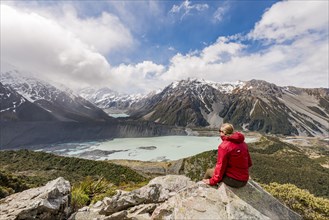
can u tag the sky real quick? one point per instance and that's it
(139, 46)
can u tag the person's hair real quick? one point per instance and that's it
(227, 128)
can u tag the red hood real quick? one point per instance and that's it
(236, 137)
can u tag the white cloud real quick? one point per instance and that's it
(139, 78)
(221, 51)
(185, 8)
(208, 63)
(70, 53)
(220, 12)
(104, 33)
(288, 20)
(171, 48)
(299, 56)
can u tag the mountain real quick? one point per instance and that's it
(34, 112)
(253, 105)
(15, 107)
(111, 101)
(60, 103)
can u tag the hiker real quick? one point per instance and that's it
(233, 160)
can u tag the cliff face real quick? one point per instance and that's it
(15, 135)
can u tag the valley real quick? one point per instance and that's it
(34, 112)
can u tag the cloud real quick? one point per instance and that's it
(292, 48)
(298, 56)
(187, 8)
(171, 48)
(220, 12)
(289, 20)
(140, 78)
(69, 53)
(104, 33)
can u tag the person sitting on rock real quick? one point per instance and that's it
(233, 160)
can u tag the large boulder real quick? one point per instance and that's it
(138, 204)
(51, 201)
(200, 201)
(177, 197)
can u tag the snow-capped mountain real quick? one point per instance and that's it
(63, 105)
(34, 112)
(112, 101)
(15, 107)
(253, 105)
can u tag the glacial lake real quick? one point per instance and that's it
(163, 148)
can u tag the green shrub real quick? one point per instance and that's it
(10, 184)
(90, 191)
(4, 191)
(79, 198)
(299, 200)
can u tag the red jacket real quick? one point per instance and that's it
(233, 159)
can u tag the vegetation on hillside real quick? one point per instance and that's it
(301, 201)
(273, 161)
(31, 169)
(10, 184)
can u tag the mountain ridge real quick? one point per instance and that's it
(34, 112)
(61, 103)
(254, 105)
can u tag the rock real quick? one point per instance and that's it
(158, 190)
(47, 202)
(177, 197)
(200, 201)
(175, 166)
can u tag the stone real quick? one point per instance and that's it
(51, 201)
(177, 197)
(201, 201)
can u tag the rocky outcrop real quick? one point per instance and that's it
(177, 197)
(48, 202)
(165, 197)
(203, 202)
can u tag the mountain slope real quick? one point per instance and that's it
(111, 101)
(63, 105)
(15, 107)
(254, 105)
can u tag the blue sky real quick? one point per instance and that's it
(139, 46)
(188, 26)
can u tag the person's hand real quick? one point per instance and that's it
(206, 181)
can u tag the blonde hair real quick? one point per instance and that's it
(227, 128)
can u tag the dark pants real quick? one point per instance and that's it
(227, 180)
